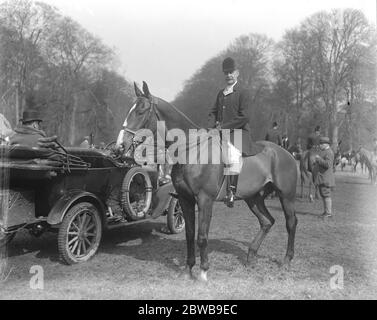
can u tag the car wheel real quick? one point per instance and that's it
(80, 233)
(136, 194)
(175, 219)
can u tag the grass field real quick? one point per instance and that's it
(140, 262)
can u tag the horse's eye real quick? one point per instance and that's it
(142, 109)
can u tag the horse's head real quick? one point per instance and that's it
(142, 115)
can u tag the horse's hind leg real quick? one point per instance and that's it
(257, 206)
(291, 223)
(188, 208)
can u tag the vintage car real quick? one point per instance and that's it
(66, 191)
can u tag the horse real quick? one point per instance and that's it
(307, 173)
(358, 159)
(273, 169)
(302, 168)
(369, 159)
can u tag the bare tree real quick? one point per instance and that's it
(77, 54)
(24, 25)
(336, 37)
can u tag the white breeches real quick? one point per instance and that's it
(232, 157)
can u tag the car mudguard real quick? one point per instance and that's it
(71, 197)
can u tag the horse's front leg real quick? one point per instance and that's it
(205, 204)
(188, 208)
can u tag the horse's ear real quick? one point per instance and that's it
(146, 90)
(137, 90)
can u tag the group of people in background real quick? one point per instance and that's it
(324, 160)
(274, 135)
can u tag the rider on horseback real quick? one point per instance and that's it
(231, 111)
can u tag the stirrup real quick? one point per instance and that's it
(229, 199)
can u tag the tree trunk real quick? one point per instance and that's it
(18, 102)
(334, 127)
(72, 128)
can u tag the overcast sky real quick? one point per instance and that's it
(165, 41)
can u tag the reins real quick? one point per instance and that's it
(154, 104)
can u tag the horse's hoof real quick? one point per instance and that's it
(286, 265)
(203, 276)
(251, 261)
(186, 274)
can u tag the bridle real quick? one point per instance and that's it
(153, 101)
(153, 109)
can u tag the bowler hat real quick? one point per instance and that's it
(229, 65)
(30, 115)
(324, 140)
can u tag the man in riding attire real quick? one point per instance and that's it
(285, 141)
(313, 139)
(231, 111)
(273, 134)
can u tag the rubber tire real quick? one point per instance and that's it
(125, 197)
(64, 253)
(171, 217)
(6, 238)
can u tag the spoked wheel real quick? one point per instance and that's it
(175, 219)
(136, 193)
(5, 238)
(80, 233)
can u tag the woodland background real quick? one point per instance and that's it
(322, 72)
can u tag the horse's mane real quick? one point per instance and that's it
(167, 107)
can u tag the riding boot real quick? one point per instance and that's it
(327, 202)
(232, 189)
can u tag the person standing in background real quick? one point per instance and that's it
(274, 135)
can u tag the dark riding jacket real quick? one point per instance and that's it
(313, 141)
(232, 112)
(274, 136)
(26, 136)
(325, 175)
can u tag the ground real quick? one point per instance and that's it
(140, 262)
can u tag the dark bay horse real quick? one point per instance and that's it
(367, 157)
(306, 175)
(356, 160)
(273, 169)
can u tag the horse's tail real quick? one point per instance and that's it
(284, 171)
